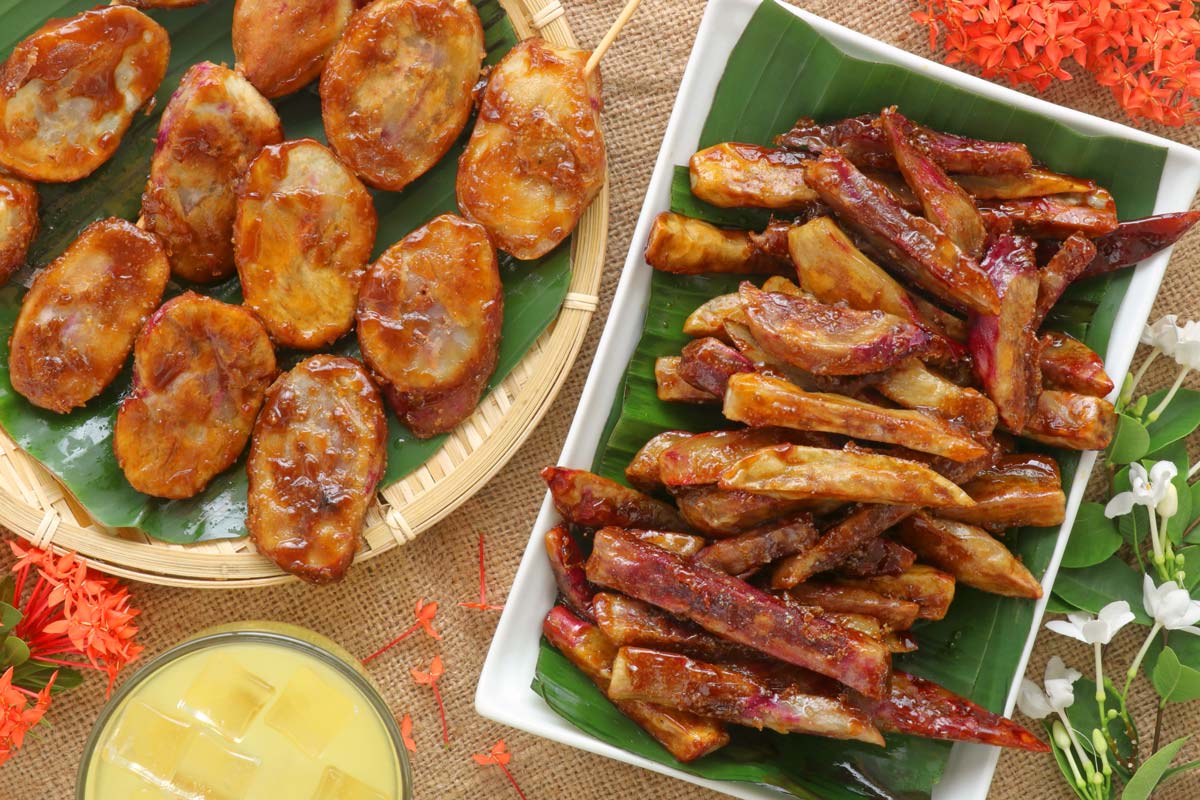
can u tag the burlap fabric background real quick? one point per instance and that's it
(376, 601)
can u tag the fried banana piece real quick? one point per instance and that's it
(894, 613)
(1071, 420)
(310, 29)
(968, 553)
(945, 203)
(19, 223)
(796, 472)
(318, 452)
(877, 557)
(200, 371)
(1137, 239)
(687, 246)
(718, 513)
(1035, 182)
(78, 321)
(69, 90)
(566, 562)
(397, 89)
(1019, 489)
(827, 339)
(686, 736)
(215, 123)
(913, 245)
(709, 363)
(1067, 264)
(709, 318)
(1092, 213)
(429, 317)
(672, 388)
(304, 231)
(702, 458)
(643, 472)
(591, 501)
(731, 608)
(861, 526)
(747, 552)
(912, 385)
(536, 158)
(761, 400)
(731, 695)
(1070, 365)
(929, 588)
(732, 175)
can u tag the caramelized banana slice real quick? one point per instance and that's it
(69, 91)
(304, 230)
(536, 157)
(309, 27)
(319, 449)
(214, 125)
(397, 89)
(78, 321)
(18, 223)
(429, 315)
(200, 370)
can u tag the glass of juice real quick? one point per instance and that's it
(252, 711)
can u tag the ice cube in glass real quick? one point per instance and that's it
(148, 742)
(226, 696)
(212, 770)
(338, 785)
(310, 711)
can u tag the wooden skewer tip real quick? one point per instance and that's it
(610, 37)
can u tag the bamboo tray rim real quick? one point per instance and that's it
(35, 506)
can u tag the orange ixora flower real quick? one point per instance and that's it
(425, 612)
(499, 756)
(18, 714)
(430, 678)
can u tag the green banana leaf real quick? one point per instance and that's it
(782, 69)
(77, 447)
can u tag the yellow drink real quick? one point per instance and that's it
(267, 712)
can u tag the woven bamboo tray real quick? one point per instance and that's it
(37, 507)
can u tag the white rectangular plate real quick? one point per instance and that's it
(504, 693)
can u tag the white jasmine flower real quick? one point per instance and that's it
(1144, 489)
(1094, 630)
(1059, 693)
(1170, 606)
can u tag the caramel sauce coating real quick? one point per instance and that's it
(18, 223)
(310, 28)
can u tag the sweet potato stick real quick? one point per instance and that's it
(681, 544)
(968, 553)
(753, 549)
(838, 542)
(593, 502)
(761, 400)
(643, 470)
(735, 610)
(1074, 421)
(946, 204)
(629, 622)
(877, 557)
(709, 363)
(734, 696)
(687, 246)
(718, 513)
(709, 318)
(701, 459)
(672, 388)
(896, 614)
(1034, 182)
(799, 472)
(566, 562)
(1019, 489)
(929, 588)
(1092, 213)
(1067, 264)
(742, 338)
(686, 736)
(1070, 365)
(1138, 239)
(912, 385)
(911, 244)
(733, 175)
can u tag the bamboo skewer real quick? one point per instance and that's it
(610, 37)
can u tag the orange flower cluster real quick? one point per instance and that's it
(1144, 51)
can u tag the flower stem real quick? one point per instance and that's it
(1137, 660)
(1160, 559)
(1127, 392)
(1157, 412)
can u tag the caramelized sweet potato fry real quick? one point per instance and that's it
(912, 385)
(734, 175)
(709, 319)
(1074, 421)
(631, 623)
(912, 245)
(895, 613)
(735, 610)
(800, 473)
(593, 502)
(1092, 213)
(760, 400)
(730, 695)
(701, 459)
(929, 588)
(686, 736)
(566, 562)
(877, 557)
(1035, 182)
(827, 339)
(643, 472)
(745, 341)
(672, 388)
(1019, 489)
(968, 553)
(681, 544)
(709, 363)
(718, 513)
(1067, 264)
(1003, 344)
(687, 246)
(760, 546)
(1071, 365)
(1136, 239)
(838, 542)
(945, 203)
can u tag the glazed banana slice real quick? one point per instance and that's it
(18, 223)
(78, 321)
(304, 232)
(200, 370)
(429, 316)
(69, 91)
(309, 27)
(536, 158)
(320, 445)
(397, 90)
(214, 125)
